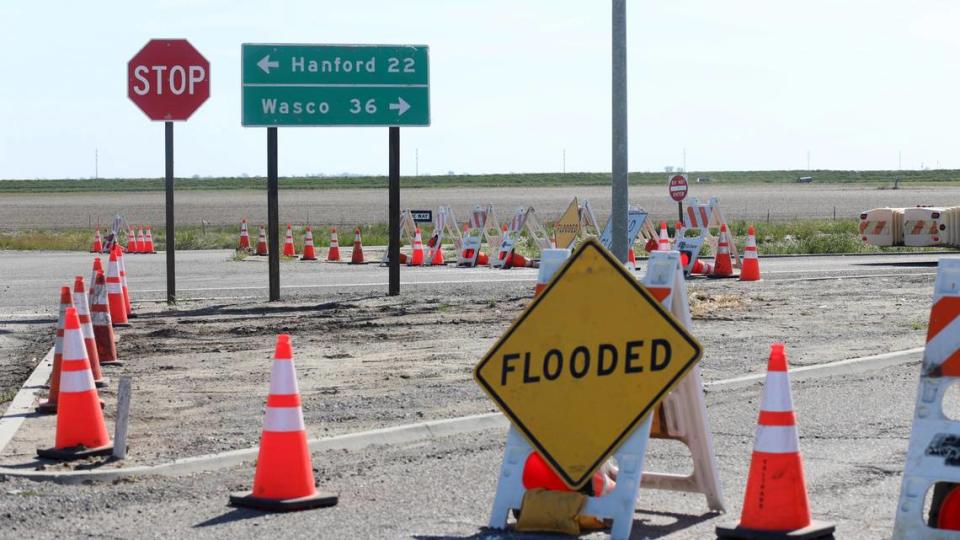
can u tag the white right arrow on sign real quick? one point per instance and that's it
(400, 105)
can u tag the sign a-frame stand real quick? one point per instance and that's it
(288, 85)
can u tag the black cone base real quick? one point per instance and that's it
(74, 452)
(246, 499)
(816, 530)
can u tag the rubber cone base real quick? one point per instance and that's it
(132, 315)
(121, 325)
(111, 363)
(319, 499)
(731, 276)
(102, 383)
(74, 452)
(816, 529)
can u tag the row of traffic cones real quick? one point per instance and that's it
(137, 242)
(84, 343)
(309, 249)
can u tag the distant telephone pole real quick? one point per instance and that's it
(564, 161)
(96, 163)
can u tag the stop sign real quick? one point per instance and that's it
(678, 187)
(168, 79)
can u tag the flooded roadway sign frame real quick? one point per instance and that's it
(288, 85)
(586, 362)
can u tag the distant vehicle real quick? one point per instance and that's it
(704, 179)
(805, 180)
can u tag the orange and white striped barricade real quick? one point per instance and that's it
(481, 226)
(933, 457)
(685, 421)
(509, 240)
(444, 224)
(882, 226)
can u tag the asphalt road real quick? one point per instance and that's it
(32, 278)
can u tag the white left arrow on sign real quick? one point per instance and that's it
(400, 105)
(265, 64)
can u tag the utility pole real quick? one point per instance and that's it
(619, 192)
(564, 161)
(96, 163)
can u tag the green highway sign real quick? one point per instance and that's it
(335, 85)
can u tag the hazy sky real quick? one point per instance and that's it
(740, 84)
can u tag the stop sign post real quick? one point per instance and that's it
(678, 191)
(169, 80)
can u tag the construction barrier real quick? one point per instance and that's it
(933, 456)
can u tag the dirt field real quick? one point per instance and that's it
(200, 376)
(349, 207)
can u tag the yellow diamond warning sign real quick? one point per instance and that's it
(585, 363)
(568, 226)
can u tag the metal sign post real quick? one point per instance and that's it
(393, 248)
(171, 236)
(619, 101)
(678, 188)
(273, 225)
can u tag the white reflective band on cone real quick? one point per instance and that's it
(777, 440)
(114, 288)
(283, 380)
(283, 419)
(944, 344)
(76, 381)
(73, 346)
(776, 392)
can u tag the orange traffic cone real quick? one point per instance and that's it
(722, 265)
(550, 261)
(289, 250)
(438, 259)
(483, 259)
(750, 271)
(148, 248)
(97, 245)
(131, 240)
(538, 475)
(122, 265)
(262, 243)
(244, 242)
(284, 478)
(357, 256)
(699, 267)
(50, 405)
(518, 261)
(118, 309)
(97, 267)
(81, 431)
(309, 253)
(631, 258)
(141, 241)
(102, 325)
(416, 256)
(86, 330)
(333, 254)
(775, 504)
(664, 243)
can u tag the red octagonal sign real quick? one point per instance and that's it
(168, 79)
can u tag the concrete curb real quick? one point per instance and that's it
(24, 402)
(353, 441)
(424, 431)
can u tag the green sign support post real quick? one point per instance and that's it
(287, 85)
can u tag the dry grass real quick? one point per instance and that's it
(705, 305)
